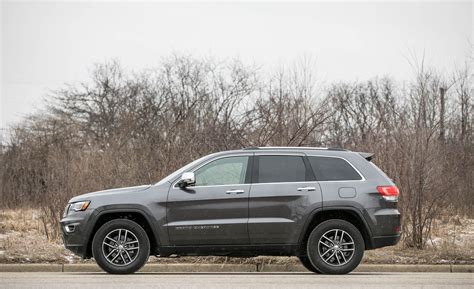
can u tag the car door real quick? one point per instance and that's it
(215, 209)
(283, 191)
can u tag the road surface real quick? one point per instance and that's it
(235, 280)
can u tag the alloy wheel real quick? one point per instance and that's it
(336, 247)
(120, 247)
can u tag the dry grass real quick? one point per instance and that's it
(452, 241)
(23, 240)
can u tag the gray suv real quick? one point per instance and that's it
(324, 205)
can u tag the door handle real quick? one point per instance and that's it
(235, 192)
(306, 189)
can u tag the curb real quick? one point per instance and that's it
(193, 268)
(30, 268)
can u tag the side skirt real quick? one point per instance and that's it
(231, 250)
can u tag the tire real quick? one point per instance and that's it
(116, 255)
(307, 264)
(335, 247)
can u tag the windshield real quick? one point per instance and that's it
(180, 171)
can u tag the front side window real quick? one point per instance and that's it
(333, 169)
(278, 169)
(224, 171)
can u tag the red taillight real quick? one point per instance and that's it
(389, 193)
(397, 229)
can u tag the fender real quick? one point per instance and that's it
(337, 208)
(123, 208)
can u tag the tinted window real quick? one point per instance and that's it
(276, 169)
(225, 171)
(333, 169)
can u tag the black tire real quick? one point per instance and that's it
(137, 255)
(307, 264)
(337, 254)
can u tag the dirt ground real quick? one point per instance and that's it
(23, 240)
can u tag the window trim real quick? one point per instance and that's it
(249, 166)
(336, 157)
(253, 166)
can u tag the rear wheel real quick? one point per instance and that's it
(335, 247)
(121, 247)
(307, 263)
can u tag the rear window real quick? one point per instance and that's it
(277, 169)
(333, 169)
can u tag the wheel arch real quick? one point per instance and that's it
(134, 214)
(351, 215)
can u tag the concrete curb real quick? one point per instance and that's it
(30, 268)
(190, 268)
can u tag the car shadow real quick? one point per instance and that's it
(234, 273)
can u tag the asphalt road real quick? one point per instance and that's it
(236, 280)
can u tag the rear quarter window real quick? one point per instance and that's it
(333, 169)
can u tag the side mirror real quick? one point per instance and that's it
(187, 179)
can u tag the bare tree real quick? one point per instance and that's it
(122, 128)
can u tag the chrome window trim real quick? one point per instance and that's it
(363, 179)
(276, 183)
(231, 185)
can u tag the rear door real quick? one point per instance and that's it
(283, 191)
(215, 210)
(339, 180)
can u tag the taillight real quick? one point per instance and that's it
(397, 229)
(389, 193)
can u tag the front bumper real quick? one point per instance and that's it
(75, 233)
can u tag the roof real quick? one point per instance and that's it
(294, 148)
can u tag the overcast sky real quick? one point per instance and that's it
(47, 44)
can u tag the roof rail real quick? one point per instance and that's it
(251, 148)
(336, 149)
(303, 148)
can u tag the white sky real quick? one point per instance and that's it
(47, 44)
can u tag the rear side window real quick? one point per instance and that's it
(333, 169)
(278, 169)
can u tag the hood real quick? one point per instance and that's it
(118, 191)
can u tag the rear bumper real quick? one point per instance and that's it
(383, 241)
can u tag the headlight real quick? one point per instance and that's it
(79, 206)
(66, 211)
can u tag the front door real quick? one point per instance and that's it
(215, 209)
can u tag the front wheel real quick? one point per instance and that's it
(335, 247)
(121, 246)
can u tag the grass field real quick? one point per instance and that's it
(23, 240)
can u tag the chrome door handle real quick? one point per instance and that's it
(307, 189)
(235, 192)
